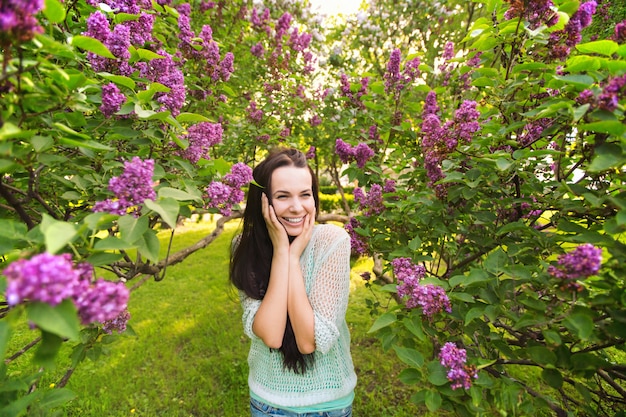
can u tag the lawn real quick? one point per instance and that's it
(188, 357)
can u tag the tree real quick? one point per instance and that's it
(494, 195)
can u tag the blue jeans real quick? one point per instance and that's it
(259, 409)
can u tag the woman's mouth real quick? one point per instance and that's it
(293, 220)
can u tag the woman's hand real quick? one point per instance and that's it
(299, 243)
(276, 230)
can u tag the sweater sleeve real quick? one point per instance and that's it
(331, 286)
(250, 307)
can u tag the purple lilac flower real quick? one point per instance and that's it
(240, 174)
(112, 100)
(459, 373)
(362, 154)
(344, 151)
(254, 114)
(448, 51)
(165, 71)
(620, 32)
(201, 136)
(101, 301)
(117, 324)
(582, 262)
(316, 120)
(310, 154)
(562, 41)
(536, 12)
(45, 278)
(299, 42)
(389, 187)
(533, 130)
(258, 50)
(98, 26)
(131, 188)
(358, 243)
(283, 24)
(612, 93)
(431, 298)
(371, 203)
(392, 75)
(430, 104)
(224, 195)
(18, 21)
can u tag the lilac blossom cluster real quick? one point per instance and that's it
(285, 40)
(431, 298)
(358, 243)
(136, 33)
(371, 203)
(348, 153)
(439, 140)
(112, 99)
(131, 188)
(396, 80)
(620, 32)
(532, 131)
(17, 20)
(535, 12)
(613, 91)
(202, 48)
(459, 373)
(582, 262)
(354, 98)
(310, 154)
(561, 41)
(223, 195)
(51, 279)
(201, 137)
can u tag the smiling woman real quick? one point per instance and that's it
(294, 280)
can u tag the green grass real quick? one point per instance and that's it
(188, 357)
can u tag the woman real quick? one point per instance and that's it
(293, 278)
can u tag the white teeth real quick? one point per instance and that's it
(292, 220)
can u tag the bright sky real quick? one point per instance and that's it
(331, 7)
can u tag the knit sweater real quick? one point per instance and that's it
(325, 267)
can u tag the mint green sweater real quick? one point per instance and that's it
(326, 270)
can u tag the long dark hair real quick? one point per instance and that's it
(251, 258)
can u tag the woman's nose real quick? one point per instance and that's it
(296, 205)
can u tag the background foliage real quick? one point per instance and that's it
(486, 140)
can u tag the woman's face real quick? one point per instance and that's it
(292, 197)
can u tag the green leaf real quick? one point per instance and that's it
(56, 397)
(112, 243)
(383, 321)
(92, 45)
(612, 127)
(178, 195)
(542, 355)
(132, 228)
(87, 144)
(436, 373)
(414, 326)
(119, 80)
(149, 245)
(503, 164)
(552, 377)
(192, 118)
(603, 47)
(496, 261)
(167, 208)
(410, 376)
(580, 324)
(104, 258)
(54, 11)
(608, 156)
(147, 55)
(5, 333)
(57, 234)
(474, 313)
(433, 400)
(410, 356)
(415, 243)
(48, 349)
(61, 320)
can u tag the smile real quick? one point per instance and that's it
(293, 219)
